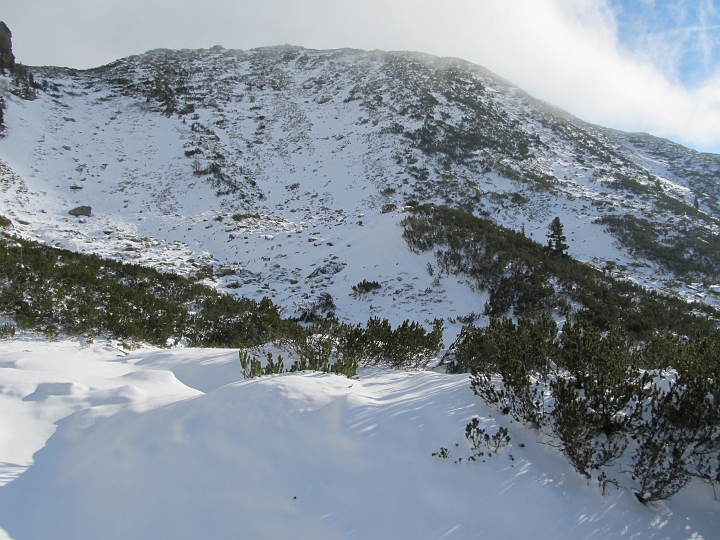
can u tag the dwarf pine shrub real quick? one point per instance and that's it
(7, 331)
(604, 398)
(479, 438)
(365, 286)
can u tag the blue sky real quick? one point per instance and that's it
(682, 37)
(643, 65)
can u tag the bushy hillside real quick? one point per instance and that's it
(281, 168)
(526, 279)
(57, 292)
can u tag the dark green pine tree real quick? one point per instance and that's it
(556, 239)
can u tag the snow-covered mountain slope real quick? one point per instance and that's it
(141, 452)
(286, 171)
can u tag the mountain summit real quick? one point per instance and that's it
(285, 172)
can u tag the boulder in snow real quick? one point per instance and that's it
(80, 211)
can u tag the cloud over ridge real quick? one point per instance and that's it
(575, 54)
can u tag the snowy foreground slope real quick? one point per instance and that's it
(174, 444)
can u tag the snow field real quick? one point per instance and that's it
(136, 453)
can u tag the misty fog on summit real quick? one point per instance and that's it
(647, 66)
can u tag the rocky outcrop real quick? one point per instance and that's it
(7, 59)
(81, 211)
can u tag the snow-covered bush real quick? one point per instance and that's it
(604, 398)
(364, 287)
(7, 331)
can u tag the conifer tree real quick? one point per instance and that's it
(556, 238)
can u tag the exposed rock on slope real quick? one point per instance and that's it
(7, 59)
(277, 161)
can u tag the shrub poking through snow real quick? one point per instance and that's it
(481, 442)
(274, 367)
(317, 353)
(252, 367)
(520, 354)
(407, 346)
(364, 287)
(7, 331)
(479, 438)
(603, 398)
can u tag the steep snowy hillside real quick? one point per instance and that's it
(356, 184)
(284, 172)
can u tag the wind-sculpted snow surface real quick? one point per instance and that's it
(299, 455)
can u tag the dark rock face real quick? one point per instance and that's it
(7, 59)
(80, 211)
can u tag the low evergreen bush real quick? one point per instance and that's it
(7, 331)
(604, 398)
(365, 286)
(54, 290)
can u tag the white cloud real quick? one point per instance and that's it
(563, 51)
